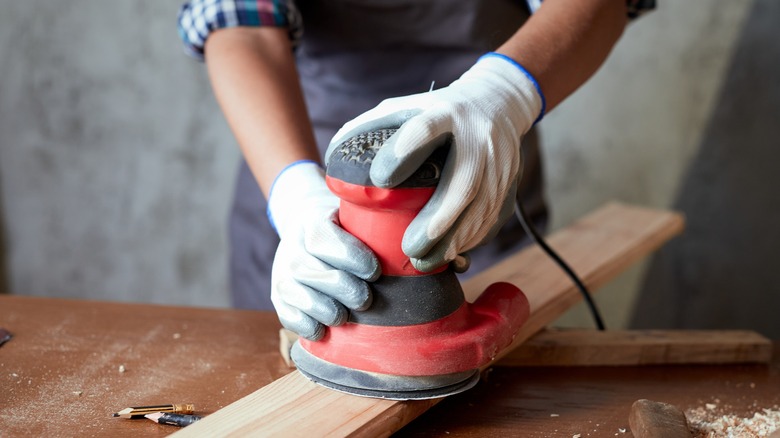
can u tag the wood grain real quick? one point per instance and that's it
(595, 402)
(586, 347)
(60, 374)
(590, 347)
(598, 247)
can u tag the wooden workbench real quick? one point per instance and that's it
(60, 376)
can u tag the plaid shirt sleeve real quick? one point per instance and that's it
(198, 18)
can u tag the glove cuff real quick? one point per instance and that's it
(526, 83)
(297, 190)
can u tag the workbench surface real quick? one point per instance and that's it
(72, 363)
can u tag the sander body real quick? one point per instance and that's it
(419, 338)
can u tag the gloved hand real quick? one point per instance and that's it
(319, 269)
(485, 112)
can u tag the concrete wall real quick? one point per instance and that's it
(116, 167)
(630, 134)
(116, 164)
(723, 273)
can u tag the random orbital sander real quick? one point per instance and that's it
(420, 338)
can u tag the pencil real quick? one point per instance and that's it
(180, 420)
(140, 411)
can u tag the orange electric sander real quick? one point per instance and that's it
(420, 338)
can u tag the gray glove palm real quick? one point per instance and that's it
(319, 271)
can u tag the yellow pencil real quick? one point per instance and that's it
(140, 411)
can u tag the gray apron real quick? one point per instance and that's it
(354, 54)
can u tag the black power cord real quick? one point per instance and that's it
(531, 231)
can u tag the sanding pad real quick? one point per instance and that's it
(376, 385)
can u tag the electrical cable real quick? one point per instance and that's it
(531, 231)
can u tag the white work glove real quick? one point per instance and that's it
(319, 269)
(485, 112)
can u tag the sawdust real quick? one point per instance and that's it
(715, 421)
(86, 390)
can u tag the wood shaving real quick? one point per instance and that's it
(704, 424)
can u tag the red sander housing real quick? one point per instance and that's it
(420, 338)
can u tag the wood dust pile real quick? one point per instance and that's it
(705, 423)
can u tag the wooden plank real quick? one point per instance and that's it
(590, 347)
(587, 347)
(598, 247)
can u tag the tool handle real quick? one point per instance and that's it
(379, 217)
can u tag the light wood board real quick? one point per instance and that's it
(598, 247)
(590, 347)
(586, 347)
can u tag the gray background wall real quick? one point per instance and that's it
(116, 164)
(116, 167)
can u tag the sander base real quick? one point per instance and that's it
(377, 385)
